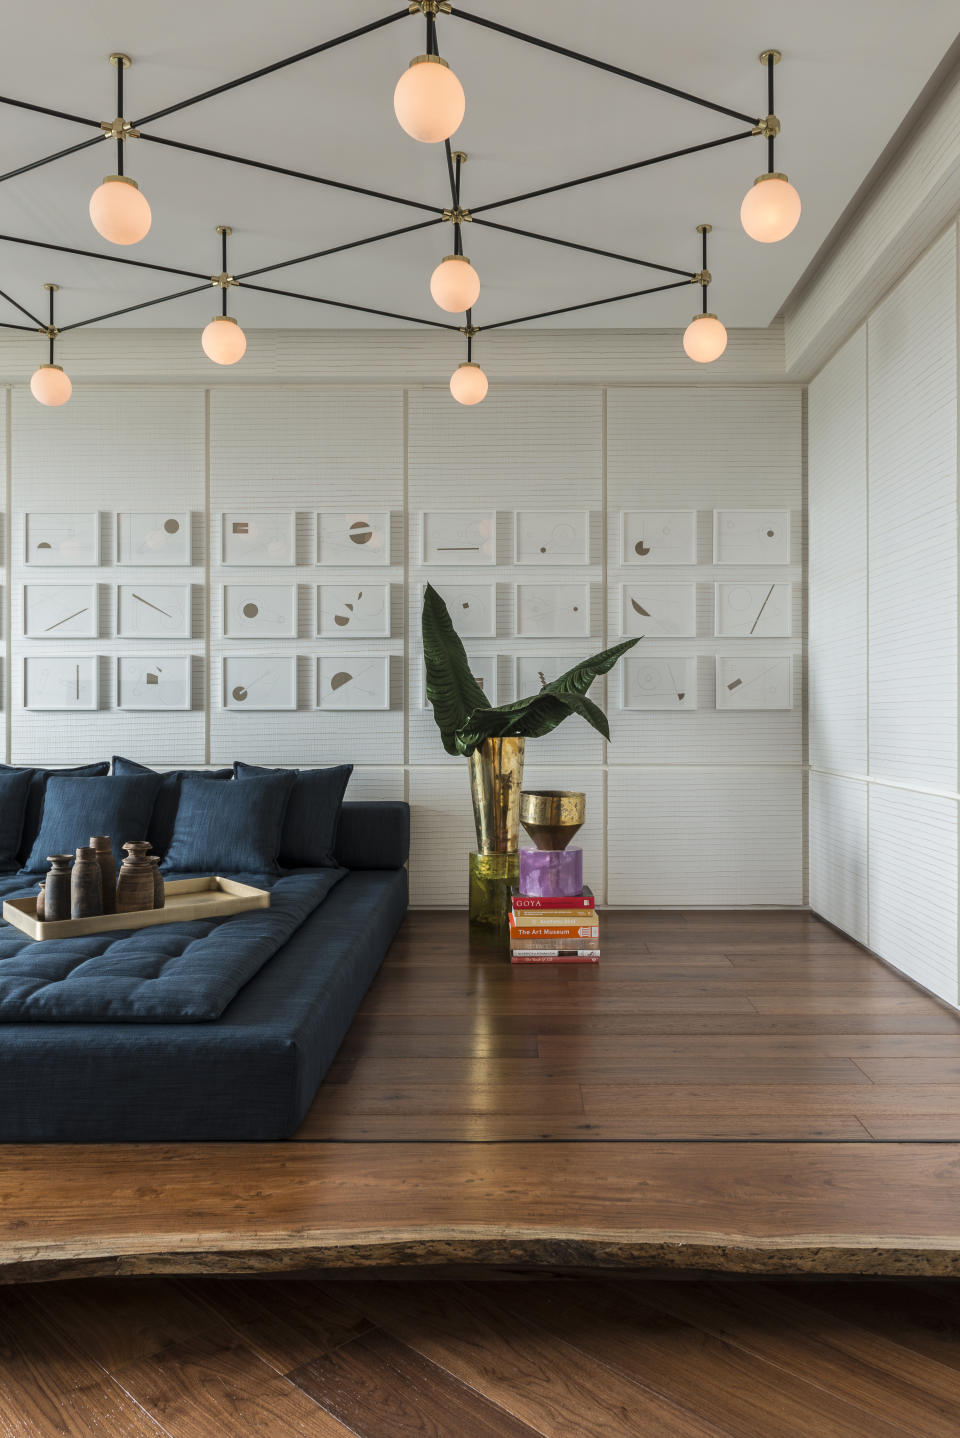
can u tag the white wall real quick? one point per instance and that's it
(683, 809)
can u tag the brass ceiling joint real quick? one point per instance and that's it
(469, 331)
(50, 331)
(460, 155)
(119, 129)
(702, 277)
(428, 7)
(223, 281)
(769, 127)
(459, 216)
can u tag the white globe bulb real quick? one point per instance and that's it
(119, 212)
(223, 340)
(455, 284)
(429, 101)
(704, 339)
(770, 209)
(468, 383)
(50, 385)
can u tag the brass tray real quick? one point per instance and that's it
(204, 898)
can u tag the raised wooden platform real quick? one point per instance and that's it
(730, 1092)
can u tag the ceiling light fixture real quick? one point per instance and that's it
(455, 284)
(429, 102)
(468, 383)
(223, 340)
(118, 211)
(49, 385)
(771, 208)
(705, 338)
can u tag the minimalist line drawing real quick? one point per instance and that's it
(260, 611)
(658, 682)
(458, 537)
(60, 611)
(659, 611)
(748, 611)
(552, 610)
(62, 540)
(259, 681)
(354, 681)
(533, 671)
(358, 537)
(260, 539)
(472, 607)
(154, 538)
(161, 682)
(542, 537)
(483, 667)
(658, 536)
(751, 536)
(755, 682)
(347, 610)
(153, 611)
(67, 682)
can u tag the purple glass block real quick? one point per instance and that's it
(551, 873)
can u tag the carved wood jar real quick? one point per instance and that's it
(135, 885)
(86, 885)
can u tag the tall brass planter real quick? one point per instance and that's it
(496, 779)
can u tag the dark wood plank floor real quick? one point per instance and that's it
(234, 1358)
(745, 1092)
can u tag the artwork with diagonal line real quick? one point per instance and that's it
(658, 611)
(753, 611)
(755, 682)
(60, 611)
(260, 611)
(259, 681)
(154, 611)
(658, 682)
(353, 681)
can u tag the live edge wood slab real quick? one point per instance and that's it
(725, 1093)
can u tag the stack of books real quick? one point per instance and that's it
(563, 929)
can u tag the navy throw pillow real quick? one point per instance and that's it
(313, 814)
(229, 828)
(38, 785)
(76, 809)
(14, 789)
(168, 797)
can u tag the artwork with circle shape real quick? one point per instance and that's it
(658, 536)
(347, 610)
(658, 681)
(260, 611)
(353, 681)
(558, 610)
(459, 537)
(62, 540)
(658, 611)
(156, 538)
(751, 536)
(259, 681)
(545, 537)
(753, 611)
(353, 538)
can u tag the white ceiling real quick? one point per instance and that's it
(850, 73)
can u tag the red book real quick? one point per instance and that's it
(583, 900)
(544, 956)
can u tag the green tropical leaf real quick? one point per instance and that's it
(529, 718)
(451, 688)
(578, 679)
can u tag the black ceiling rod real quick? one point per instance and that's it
(49, 159)
(94, 255)
(343, 305)
(587, 305)
(587, 249)
(603, 65)
(272, 69)
(45, 110)
(28, 329)
(17, 306)
(608, 174)
(453, 175)
(338, 249)
(129, 309)
(291, 174)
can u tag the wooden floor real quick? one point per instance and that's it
(235, 1358)
(725, 1092)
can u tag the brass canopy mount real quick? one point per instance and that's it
(428, 7)
(459, 216)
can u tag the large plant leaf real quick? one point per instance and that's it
(451, 688)
(529, 718)
(578, 679)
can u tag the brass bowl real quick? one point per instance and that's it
(552, 816)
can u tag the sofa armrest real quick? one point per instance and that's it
(373, 835)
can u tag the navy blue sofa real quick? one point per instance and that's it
(249, 1075)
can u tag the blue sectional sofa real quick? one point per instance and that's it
(250, 1074)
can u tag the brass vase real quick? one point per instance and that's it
(552, 816)
(496, 779)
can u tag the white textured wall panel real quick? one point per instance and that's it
(839, 852)
(837, 652)
(912, 350)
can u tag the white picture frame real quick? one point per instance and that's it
(747, 610)
(353, 538)
(154, 611)
(61, 611)
(350, 611)
(550, 537)
(458, 537)
(650, 537)
(259, 611)
(658, 611)
(483, 667)
(61, 682)
(252, 683)
(353, 681)
(472, 608)
(751, 536)
(532, 671)
(552, 611)
(662, 682)
(258, 538)
(61, 540)
(754, 681)
(154, 681)
(155, 538)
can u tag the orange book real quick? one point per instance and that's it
(555, 932)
